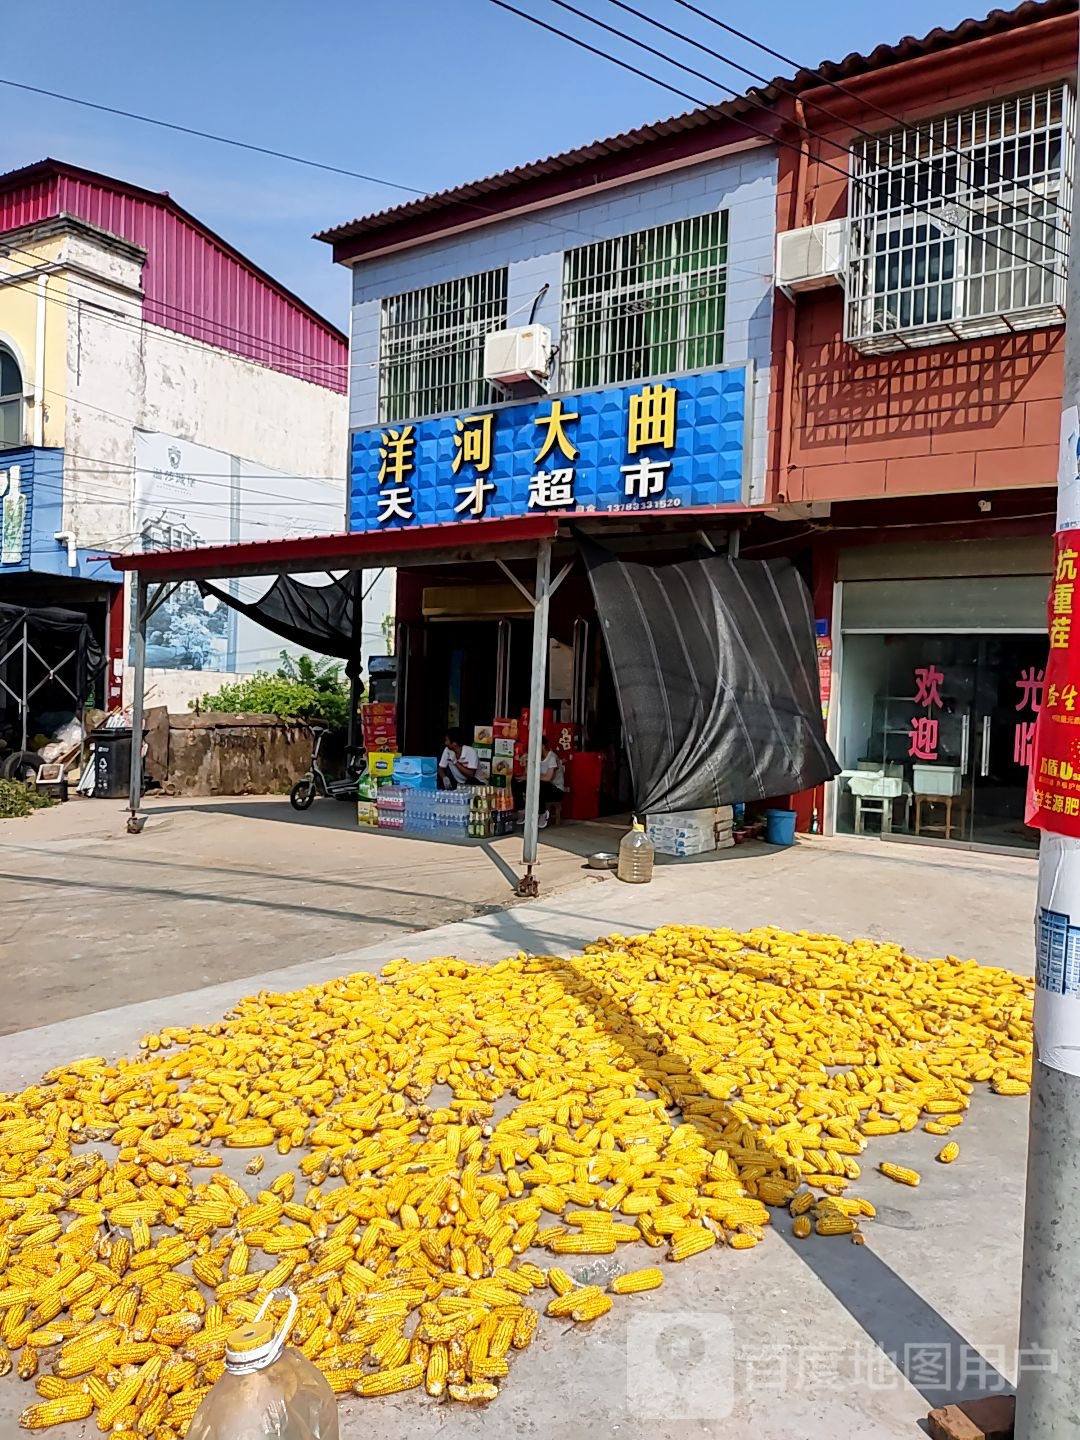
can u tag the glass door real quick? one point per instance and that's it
(930, 719)
(1008, 696)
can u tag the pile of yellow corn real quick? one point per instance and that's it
(450, 1122)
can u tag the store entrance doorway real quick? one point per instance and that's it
(936, 736)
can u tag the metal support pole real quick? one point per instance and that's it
(1048, 1385)
(25, 684)
(356, 679)
(138, 655)
(541, 597)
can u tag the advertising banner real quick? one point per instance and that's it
(654, 445)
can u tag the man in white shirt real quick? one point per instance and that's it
(458, 763)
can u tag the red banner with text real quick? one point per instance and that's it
(1053, 800)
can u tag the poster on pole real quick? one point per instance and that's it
(1057, 955)
(1053, 800)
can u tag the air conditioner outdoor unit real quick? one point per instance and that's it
(513, 356)
(812, 257)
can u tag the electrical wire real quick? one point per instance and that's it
(115, 317)
(836, 85)
(773, 139)
(833, 115)
(486, 211)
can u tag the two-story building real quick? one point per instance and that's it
(904, 376)
(924, 201)
(637, 273)
(156, 389)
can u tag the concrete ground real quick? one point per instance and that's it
(215, 890)
(793, 1340)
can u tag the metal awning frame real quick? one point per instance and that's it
(159, 574)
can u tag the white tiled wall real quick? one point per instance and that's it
(532, 248)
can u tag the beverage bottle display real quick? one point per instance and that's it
(267, 1392)
(636, 856)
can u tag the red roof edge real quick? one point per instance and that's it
(490, 198)
(41, 169)
(332, 552)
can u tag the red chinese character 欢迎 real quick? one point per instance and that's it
(927, 680)
(923, 738)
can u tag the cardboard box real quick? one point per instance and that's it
(411, 765)
(482, 735)
(380, 763)
(483, 752)
(483, 772)
(367, 813)
(379, 710)
(504, 746)
(502, 765)
(504, 729)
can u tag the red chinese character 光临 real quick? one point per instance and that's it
(1023, 742)
(927, 680)
(923, 738)
(1030, 686)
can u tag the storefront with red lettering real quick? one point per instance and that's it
(939, 655)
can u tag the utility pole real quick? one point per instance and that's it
(1048, 1385)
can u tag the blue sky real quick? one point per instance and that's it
(425, 92)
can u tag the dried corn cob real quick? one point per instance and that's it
(635, 1281)
(900, 1173)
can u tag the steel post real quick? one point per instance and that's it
(537, 692)
(1048, 1386)
(138, 655)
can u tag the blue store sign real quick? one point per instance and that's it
(665, 444)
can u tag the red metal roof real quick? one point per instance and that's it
(195, 282)
(371, 550)
(563, 173)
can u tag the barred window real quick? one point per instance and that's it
(431, 346)
(650, 303)
(960, 226)
(12, 403)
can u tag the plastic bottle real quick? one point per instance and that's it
(266, 1392)
(636, 856)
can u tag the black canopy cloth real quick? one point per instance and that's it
(71, 631)
(318, 617)
(715, 665)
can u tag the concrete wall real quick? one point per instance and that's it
(532, 247)
(123, 375)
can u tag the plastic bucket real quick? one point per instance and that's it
(780, 827)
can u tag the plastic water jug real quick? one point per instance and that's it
(266, 1392)
(636, 856)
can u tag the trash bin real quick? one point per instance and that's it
(780, 827)
(110, 756)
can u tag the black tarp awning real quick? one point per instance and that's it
(715, 665)
(318, 617)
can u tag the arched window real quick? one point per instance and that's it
(11, 400)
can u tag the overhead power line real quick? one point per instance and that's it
(905, 157)
(209, 135)
(818, 72)
(772, 138)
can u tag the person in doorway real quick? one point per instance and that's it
(552, 784)
(458, 763)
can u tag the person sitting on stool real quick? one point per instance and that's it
(552, 784)
(458, 763)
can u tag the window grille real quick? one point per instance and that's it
(431, 346)
(960, 226)
(650, 303)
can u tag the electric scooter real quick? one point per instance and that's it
(316, 782)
